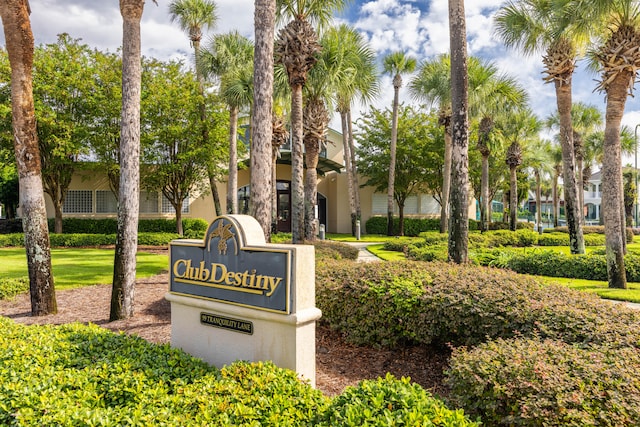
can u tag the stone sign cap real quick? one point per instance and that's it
(233, 264)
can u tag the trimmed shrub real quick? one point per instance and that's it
(390, 402)
(412, 226)
(11, 240)
(192, 227)
(327, 249)
(428, 253)
(9, 226)
(590, 229)
(9, 288)
(393, 303)
(400, 244)
(505, 225)
(532, 382)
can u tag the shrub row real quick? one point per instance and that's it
(392, 303)
(85, 375)
(590, 229)
(551, 263)
(192, 227)
(534, 382)
(90, 240)
(412, 226)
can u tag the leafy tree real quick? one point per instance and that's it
(418, 158)
(124, 265)
(62, 85)
(176, 159)
(19, 41)
(9, 184)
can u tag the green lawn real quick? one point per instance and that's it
(79, 267)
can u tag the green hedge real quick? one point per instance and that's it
(85, 375)
(533, 382)
(591, 266)
(395, 303)
(390, 402)
(90, 240)
(412, 226)
(192, 227)
(590, 229)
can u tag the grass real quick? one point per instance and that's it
(74, 268)
(379, 251)
(631, 294)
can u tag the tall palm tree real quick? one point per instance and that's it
(230, 58)
(193, 16)
(432, 84)
(19, 41)
(556, 161)
(538, 159)
(359, 80)
(585, 119)
(520, 129)
(297, 48)
(459, 222)
(124, 265)
(493, 94)
(535, 26)
(617, 55)
(261, 119)
(396, 64)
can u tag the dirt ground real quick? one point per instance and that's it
(338, 363)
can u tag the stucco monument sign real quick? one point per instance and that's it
(235, 297)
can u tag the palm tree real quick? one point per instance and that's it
(230, 58)
(533, 26)
(617, 53)
(124, 265)
(493, 94)
(538, 159)
(396, 64)
(19, 41)
(297, 48)
(519, 129)
(261, 119)
(432, 83)
(193, 16)
(585, 119)
(556, 161)
(359, 78)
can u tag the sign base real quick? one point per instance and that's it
(287, 340)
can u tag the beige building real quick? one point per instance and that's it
(89, 196)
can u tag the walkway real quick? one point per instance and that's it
(364, 255)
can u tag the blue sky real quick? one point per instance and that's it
(418, 27)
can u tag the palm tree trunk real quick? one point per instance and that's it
(513, 199)
(261, 119)
(556, 200)
(612, 183)
(354, 170)
(446, 181)
(571, 208)
(297, 183)
(459, 222)
(124, 266)
(19, 42)
(232, 184)
(349, 169)
(392, 156)
(538, 201)
(484, 202)
(311, 192)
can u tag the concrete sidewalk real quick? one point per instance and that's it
(364, 255)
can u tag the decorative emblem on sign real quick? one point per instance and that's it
(223, 233)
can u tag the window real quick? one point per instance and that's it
(167, 207)
(148, 202)
(106, 202)
(78, 201)
(378, 203)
